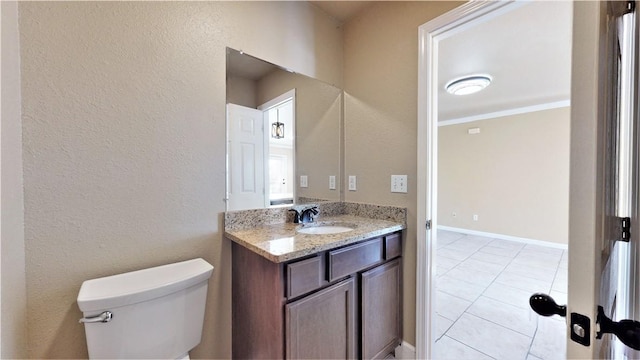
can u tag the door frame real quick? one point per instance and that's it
(289, 95)
(586, 206)
(429, 34)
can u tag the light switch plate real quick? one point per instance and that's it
(399, 183)
(332, 182)
(352, 183)
(304, 181)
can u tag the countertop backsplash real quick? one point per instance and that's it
(244, 219)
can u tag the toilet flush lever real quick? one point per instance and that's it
(105, 317)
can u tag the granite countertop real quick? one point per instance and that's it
(281, 242)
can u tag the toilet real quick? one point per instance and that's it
(151, 313)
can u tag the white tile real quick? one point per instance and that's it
(495, 250)
(449, 349)
(506, 244)
(442, 325)
(536, 261)
(473, 276)
(491, 258)
(444, 235)
(524, 283)
(446, 262)
(479, 239)
(562, 274)
(441, 270)
(449, 306)
(560, 285)
(550, 340)
(509, 316)
(508, 295)
(460, 288)
(563, 264)
(463, 246)
(559, 297)
(534, 272)
(543, 249)
(452, 254)
(531, 357)
(490, 338)
(475, 265)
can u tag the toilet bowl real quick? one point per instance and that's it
(151, 313)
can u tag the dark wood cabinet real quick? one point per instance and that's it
(341, 303)
(380, 314)
(323, 325)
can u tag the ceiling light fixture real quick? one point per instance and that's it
(468, 84)
(277, 130)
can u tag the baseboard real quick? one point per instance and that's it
(405, 351)
(505, 237)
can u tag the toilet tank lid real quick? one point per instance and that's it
(133, 287)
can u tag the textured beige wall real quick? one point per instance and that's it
(13, 292)
(381, 85)
(318, 120)
(514, 175)
(124, 143)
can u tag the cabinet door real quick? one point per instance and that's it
(323, 325)
(381, 310)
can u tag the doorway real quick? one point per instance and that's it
(502, 200)
(430, 81)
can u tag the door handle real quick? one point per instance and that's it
(627, 331)
(544, 305)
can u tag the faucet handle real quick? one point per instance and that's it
(296, 216)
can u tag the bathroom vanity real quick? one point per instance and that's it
(329, 296)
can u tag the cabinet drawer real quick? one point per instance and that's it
(392, 246)
(304, 276)
(351, 259)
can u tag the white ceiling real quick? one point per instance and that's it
(527, 52)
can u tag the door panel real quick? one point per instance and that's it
(597, 171)
(246, 158)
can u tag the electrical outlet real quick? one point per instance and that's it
(399, 183)
(304, 181)
(475, 217)
(454, 214)
(332, 182)
(352, 183)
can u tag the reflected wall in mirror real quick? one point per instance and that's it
(264, 166)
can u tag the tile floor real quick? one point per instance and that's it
(482, 299)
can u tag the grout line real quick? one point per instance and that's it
(513, 257)
(469, 346)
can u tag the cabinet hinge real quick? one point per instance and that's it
(623, 229)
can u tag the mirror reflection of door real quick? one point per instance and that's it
(261, 164)
(245, 149)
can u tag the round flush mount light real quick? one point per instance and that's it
(468, 84)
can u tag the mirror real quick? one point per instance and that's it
(283, 136)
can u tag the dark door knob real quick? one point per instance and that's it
(544, 305)
(628, 331)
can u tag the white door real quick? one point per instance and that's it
(245, 151)
(601, 186)
(600, 147)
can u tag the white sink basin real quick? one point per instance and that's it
(324, 229)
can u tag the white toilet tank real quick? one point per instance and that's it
(151, 313)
